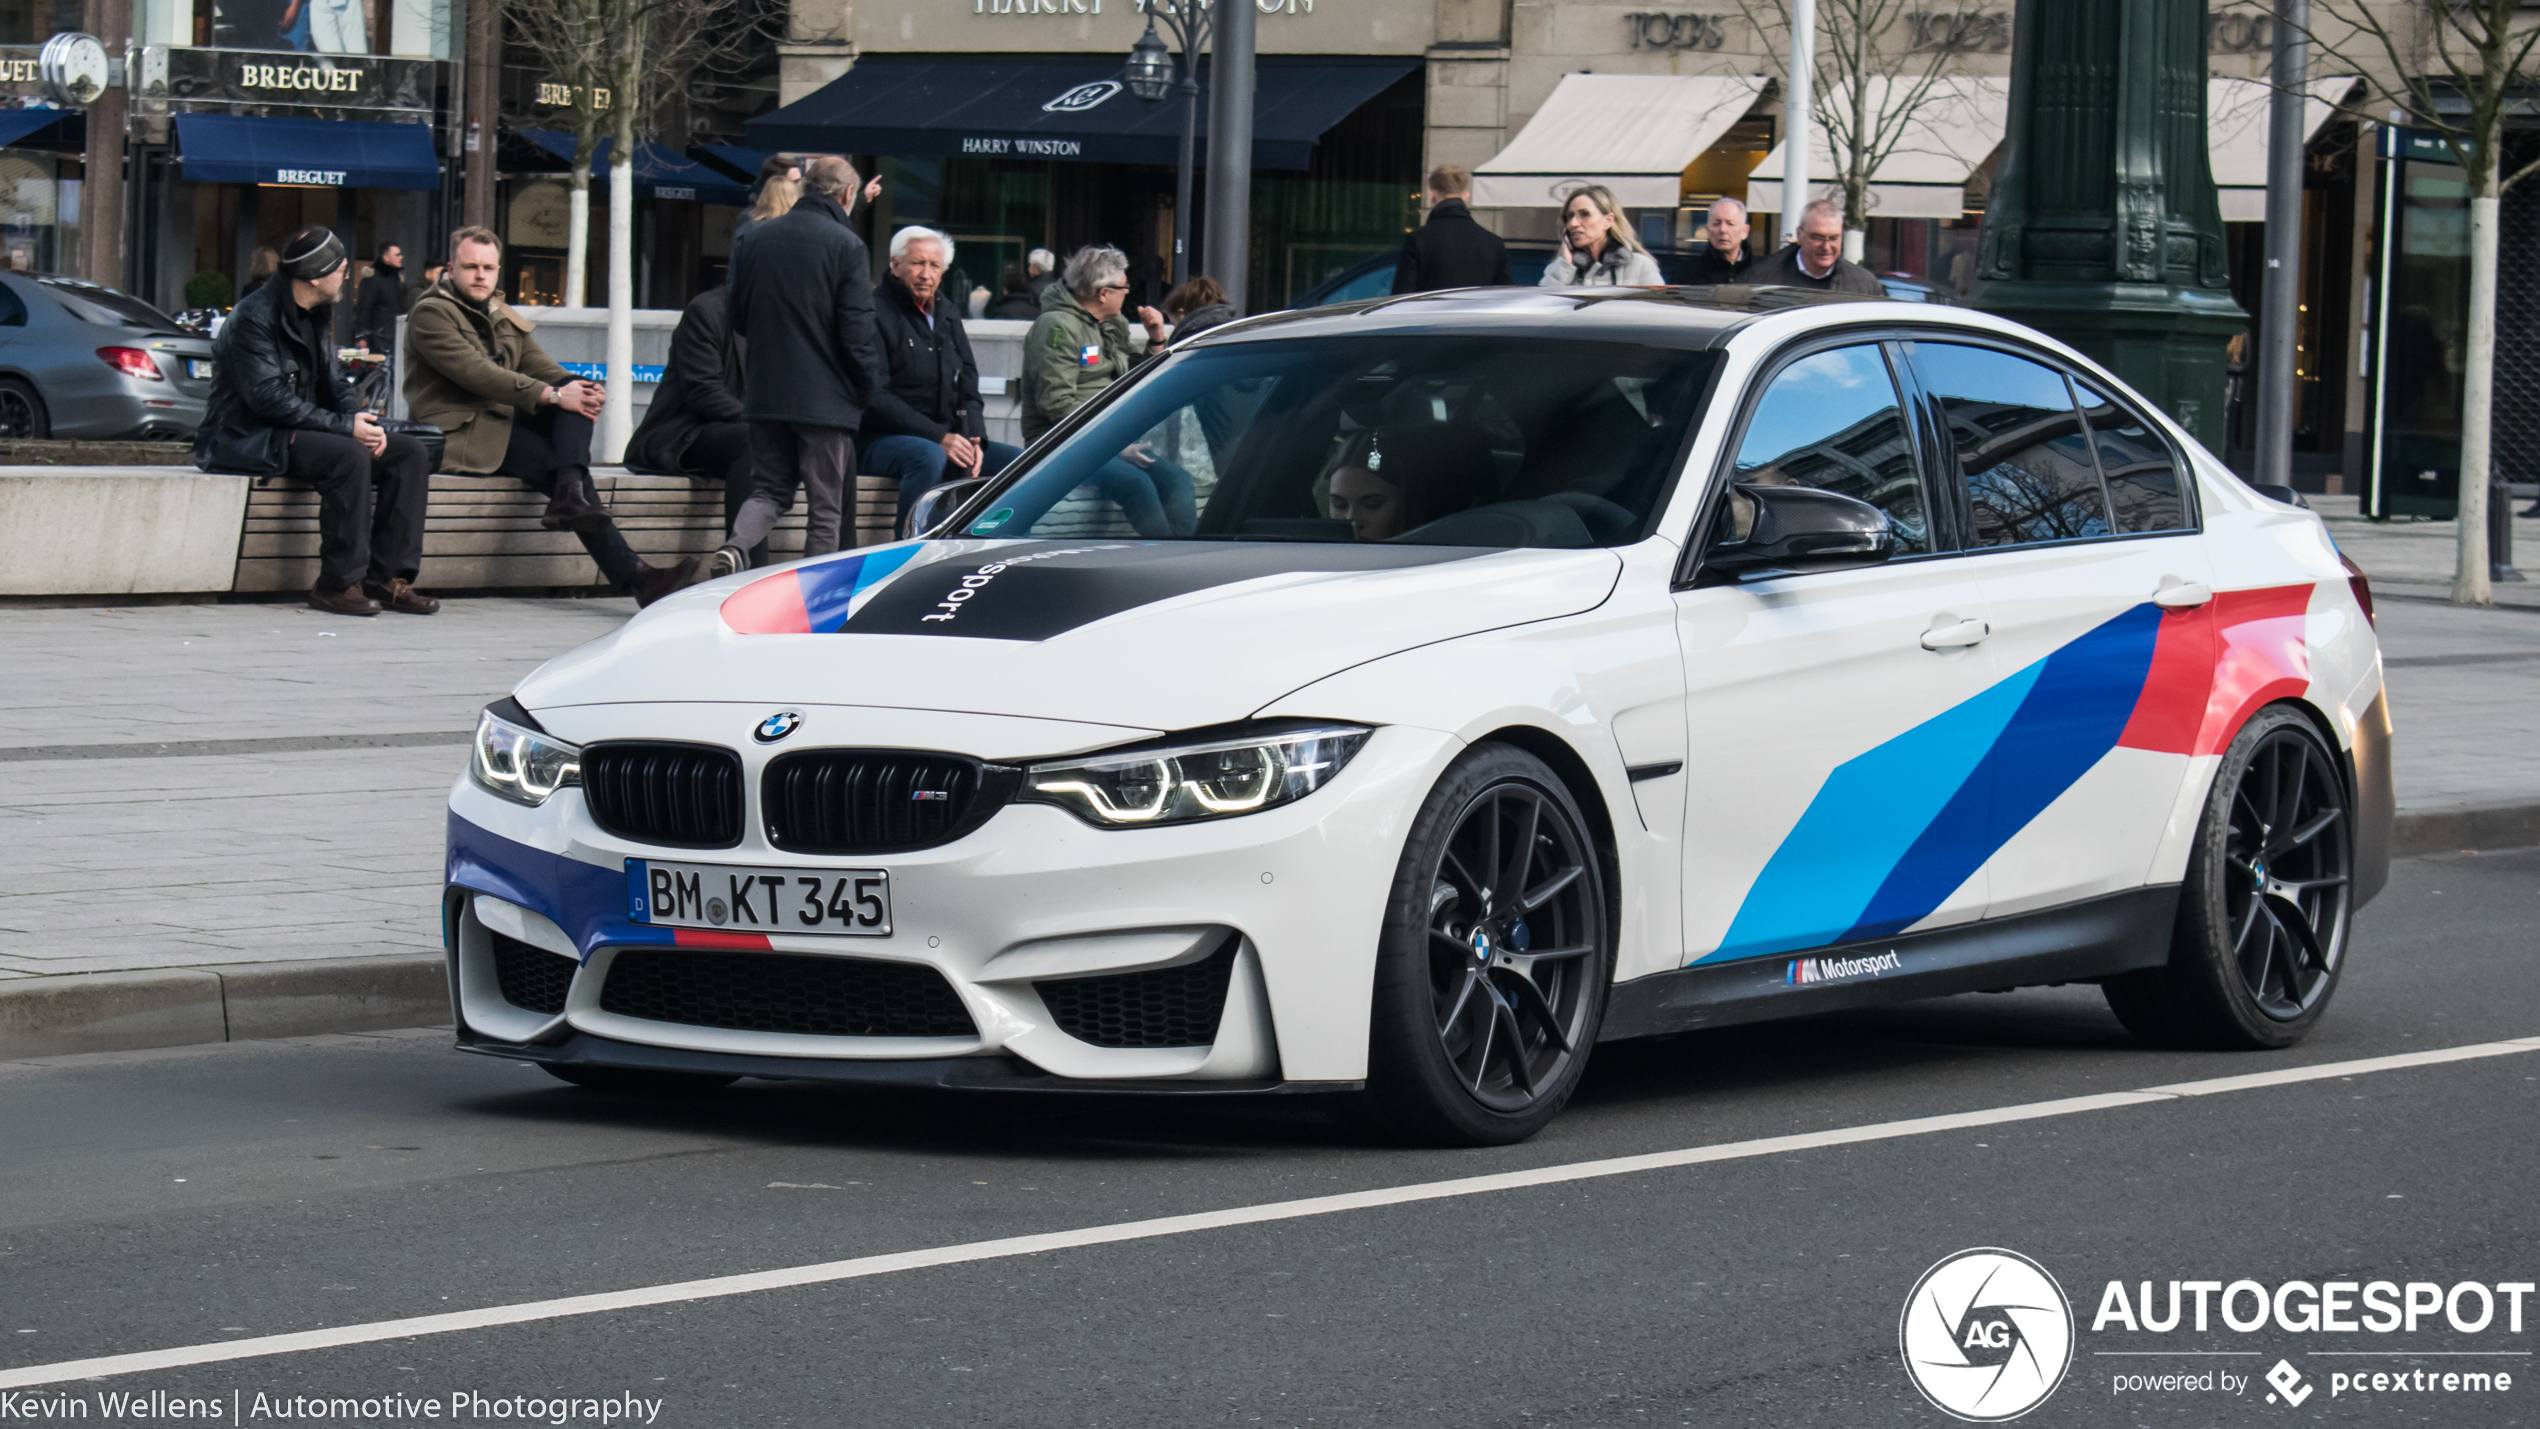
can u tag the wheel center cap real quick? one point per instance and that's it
(2258, 875)
(1481, 944)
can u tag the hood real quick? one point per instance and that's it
(1149, 634)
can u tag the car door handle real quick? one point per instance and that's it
(1956, 637)
(2176, 594)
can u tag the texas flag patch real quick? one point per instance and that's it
(1091, 355)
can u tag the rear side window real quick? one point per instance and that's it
(1832, 420)
(12, 307)
(2023, 453)
(2142, 472)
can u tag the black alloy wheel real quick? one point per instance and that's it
(22, 413)
(2264, 911)
(1496, 957)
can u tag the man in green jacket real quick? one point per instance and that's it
(1080, 343)
(474, 370)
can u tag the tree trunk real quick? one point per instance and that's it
(2478, 387)
(617, 420)
(577, 236)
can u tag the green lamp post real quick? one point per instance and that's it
(2103, 228)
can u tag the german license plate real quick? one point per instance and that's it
(847, 902)
(199, 368)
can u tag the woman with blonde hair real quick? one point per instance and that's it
(1598, 247)
(776, 197)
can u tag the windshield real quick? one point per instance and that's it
(1437, 441)
(91, 303)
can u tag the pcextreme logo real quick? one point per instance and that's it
(1986, 1335)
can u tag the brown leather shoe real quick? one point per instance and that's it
(650, 582)
(575, 507)
(402, 597)
(348, 601)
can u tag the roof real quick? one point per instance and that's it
(1687, 317)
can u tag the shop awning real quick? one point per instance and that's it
(1073, 109)
(735, 160)
(1633, 133)
(2236, 135)
(20, 124)
(334, 153)
(660, 172)
(1951, 132)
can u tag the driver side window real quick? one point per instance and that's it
(1832, 420)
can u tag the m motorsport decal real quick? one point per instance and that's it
(1892, 832)
(1809, 970)
(1033, 590)
(813, 598)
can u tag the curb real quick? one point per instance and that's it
(176, 1007)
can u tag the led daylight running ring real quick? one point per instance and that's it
(1218, 779)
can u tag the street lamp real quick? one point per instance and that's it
(1149, 74)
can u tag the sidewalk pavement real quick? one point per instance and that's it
(235, 789)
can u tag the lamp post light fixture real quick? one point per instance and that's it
(1148, 75)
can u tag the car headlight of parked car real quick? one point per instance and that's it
(519, 764)
(1207, 779)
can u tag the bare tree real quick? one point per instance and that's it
(626, 61)
(2458, 68)
(1876, 63)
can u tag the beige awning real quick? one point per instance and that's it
(1633, 133)
(2236, 136)
(1948, 136)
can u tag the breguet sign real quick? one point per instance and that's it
(198, 81)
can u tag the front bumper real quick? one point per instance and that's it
(1031, 897)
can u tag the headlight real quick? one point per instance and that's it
(1181, 783)
(522, 765)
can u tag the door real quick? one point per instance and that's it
(2079, 517)
(1838, 720)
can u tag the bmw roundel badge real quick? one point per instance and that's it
(777, 726)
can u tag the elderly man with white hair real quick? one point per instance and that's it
(926, 423)
(1724, 257)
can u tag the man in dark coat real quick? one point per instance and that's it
(381, 301)
(281, 406)
(1816, 260)
(1452, 249)
(1724, 258)
(928, 421)
(801, 296)
(694, 426)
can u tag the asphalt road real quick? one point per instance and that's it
(155, 1200)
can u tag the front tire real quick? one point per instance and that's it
(2263, 914)
(1494, 959)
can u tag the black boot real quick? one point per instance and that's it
(576, 506)
(650, 582)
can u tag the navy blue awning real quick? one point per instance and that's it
(1075, 109)
(18, 124)
(741, 163)
(659, 172)
(335, 153)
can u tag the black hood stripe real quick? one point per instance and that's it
(1032, 590)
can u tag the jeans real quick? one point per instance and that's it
(1156, 498)
(370, 508)
(919, 464)
(816, 459)
(551, 449)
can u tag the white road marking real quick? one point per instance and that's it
(828, 1272)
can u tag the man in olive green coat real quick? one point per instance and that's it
(474, 370)
(1080, 343)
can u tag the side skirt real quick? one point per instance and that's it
(2101, 937)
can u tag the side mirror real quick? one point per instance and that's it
(937, 505)
(1798, 528)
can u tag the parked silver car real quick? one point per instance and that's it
(82, 361)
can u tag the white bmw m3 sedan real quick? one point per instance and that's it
(1399, 699)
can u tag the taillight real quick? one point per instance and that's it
(2361, 587)
(132, 362)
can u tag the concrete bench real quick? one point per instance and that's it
(118, 530)
(481, 533)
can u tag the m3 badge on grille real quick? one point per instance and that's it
(777, 726)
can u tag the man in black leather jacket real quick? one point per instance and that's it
(281, 406)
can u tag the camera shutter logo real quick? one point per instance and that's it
(1082, 97)
(1986, 1335)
